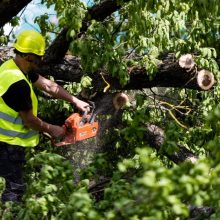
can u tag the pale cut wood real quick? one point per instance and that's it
(120, 100)
(205, 79)
(186, 61)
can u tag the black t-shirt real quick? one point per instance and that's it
(18, 95)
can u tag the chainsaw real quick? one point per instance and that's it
(78, 127)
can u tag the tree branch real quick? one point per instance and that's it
(60, 45)
(9, 9)
(170, 74)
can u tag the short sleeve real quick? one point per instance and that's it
(18, 96)
(33, 77)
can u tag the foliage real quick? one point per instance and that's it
(142, 183)
(51, 193)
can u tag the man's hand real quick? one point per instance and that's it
(56, 131)
(82, 106)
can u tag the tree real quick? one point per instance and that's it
(117, 46)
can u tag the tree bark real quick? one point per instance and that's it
(169, 74)
(9, 9)
(155, 137)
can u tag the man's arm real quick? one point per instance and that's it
(36, 123)
(58, 92)
(18, 98)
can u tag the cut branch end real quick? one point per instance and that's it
(205, 79)
(120, 100)
(186, 61)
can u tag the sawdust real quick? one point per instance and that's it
(82, 153)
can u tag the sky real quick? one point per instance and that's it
(28, 14)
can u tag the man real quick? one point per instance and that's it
(19, 124)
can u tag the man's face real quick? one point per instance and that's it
(33, 62)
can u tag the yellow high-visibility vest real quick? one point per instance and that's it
(12, 128)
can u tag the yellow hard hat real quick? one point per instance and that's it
(30, 41)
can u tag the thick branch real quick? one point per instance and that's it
(154, 135)
(103, 10)
(59, 47)
(174, 74)
(9, 9)
(170, 74)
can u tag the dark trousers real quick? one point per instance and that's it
(12, 160)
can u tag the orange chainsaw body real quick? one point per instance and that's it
(78, 128)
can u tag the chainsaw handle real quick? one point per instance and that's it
(92, 107)
(92, 104)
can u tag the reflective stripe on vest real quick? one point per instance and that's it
(9, 118)
(12, 128)
(18, 134)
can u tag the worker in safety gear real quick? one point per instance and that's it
(19, 123)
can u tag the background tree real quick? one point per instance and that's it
(144, 169)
